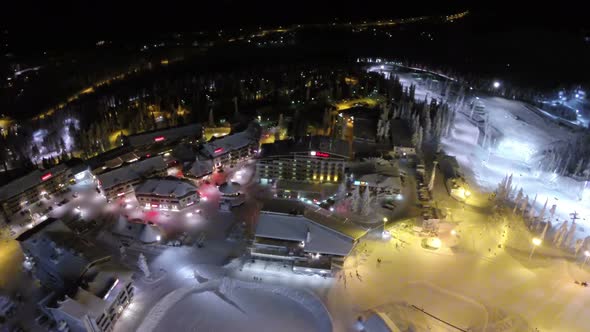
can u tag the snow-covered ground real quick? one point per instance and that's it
(524, 134)
(231, 305)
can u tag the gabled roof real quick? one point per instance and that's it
(228, 143)
(326, 236)
(165, 187)
(165, 135)
(334, 222)
(28, 181)
(201, 167)
(131, 172)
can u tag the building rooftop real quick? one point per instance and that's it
(128, 157)
(230, 188)
(334, 222)
(141, 232)
(104, 285)
(29, 181)
(306, 144)
(283, 206)
(165, 135)
(381, 181)
(326, 237)
(131, 172)
(228, 143)
(48, 224)
(201, 167)
(165, 187)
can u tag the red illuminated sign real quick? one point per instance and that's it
(218, 150)
(45, 176)
(322, 154)
(159, 138)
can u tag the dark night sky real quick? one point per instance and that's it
(107, 16)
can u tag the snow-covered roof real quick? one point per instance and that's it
(165, 187)
(131, 172)
(118, 161)
(229, 188)
(381, 181)
(282, 226)
(228, 143)
(103, 289)
(141, 232)
(323, 238)
(165, 135)
(334, 222)
(201, 167)
(83, 304)
(28, 181)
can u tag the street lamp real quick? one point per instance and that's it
(536, 242)
(496, 84)
(587, 256)
(467, 194)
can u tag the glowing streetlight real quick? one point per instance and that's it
(496, 84)
(587, 256)
(436, 243)
(536, 242)
(385, 234)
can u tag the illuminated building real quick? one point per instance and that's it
(403, 152)
(89, 292)
(120, 182)
(312, 243)
(231, 149)
(29, 189)
(97, 304)
(164, 194)
(312, 159)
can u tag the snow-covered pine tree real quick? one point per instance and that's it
(143, 265)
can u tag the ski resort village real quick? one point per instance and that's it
(413, 201)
